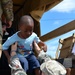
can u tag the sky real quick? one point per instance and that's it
(56, 17)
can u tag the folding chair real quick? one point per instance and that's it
(65, 47)
(64, 52)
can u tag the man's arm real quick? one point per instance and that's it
(7, 6)
(41, 44)
(6, 46)
(13, 52)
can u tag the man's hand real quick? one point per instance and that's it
(14, 46)
(44, 48)
(13, 49)
(36, 47)
(8, 22)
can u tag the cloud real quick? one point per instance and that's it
(65, 6)
(56, 22)
(52, 48)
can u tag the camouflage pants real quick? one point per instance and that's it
(0, 31)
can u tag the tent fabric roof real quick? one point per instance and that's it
(32, 5)
(34, 8)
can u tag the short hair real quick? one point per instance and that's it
(26, 19)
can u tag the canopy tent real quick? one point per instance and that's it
(34, 8)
